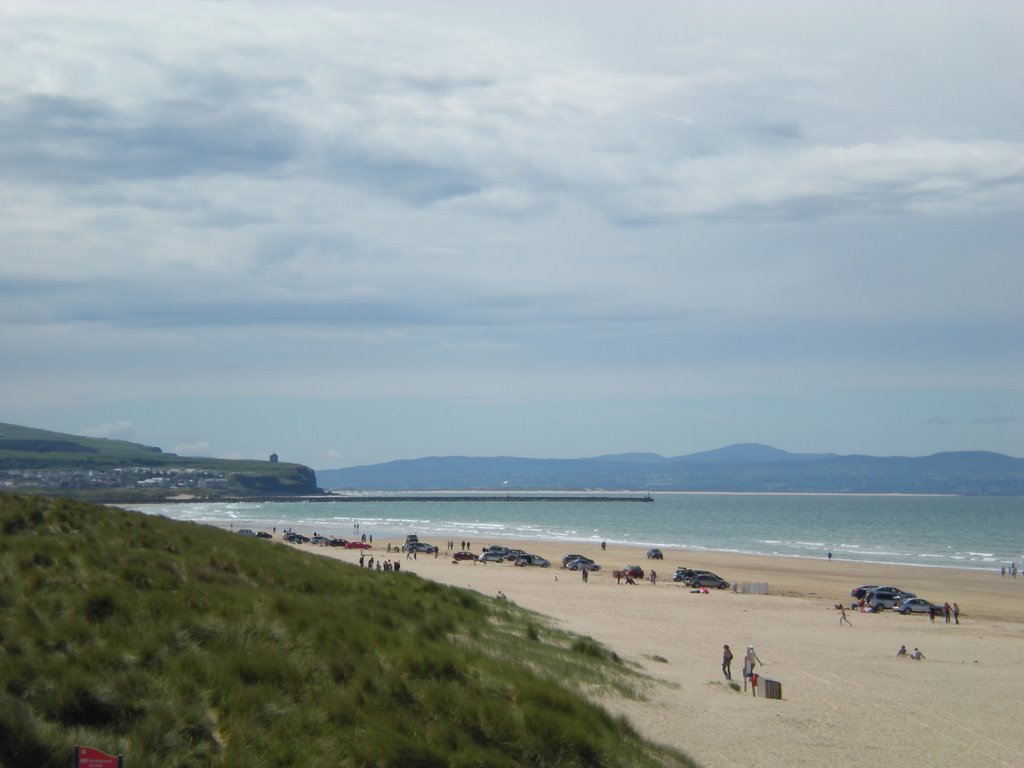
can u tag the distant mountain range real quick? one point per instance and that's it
(746, 467)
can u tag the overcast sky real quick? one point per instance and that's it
(357, 232)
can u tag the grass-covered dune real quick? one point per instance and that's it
(183, 645)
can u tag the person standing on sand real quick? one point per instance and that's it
(842, 615)
(749, 662)
(654, 577)
(947, 611)
(727, 662)
(956, 613)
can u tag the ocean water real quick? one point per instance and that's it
(940, 531)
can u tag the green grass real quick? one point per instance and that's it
(182, 645)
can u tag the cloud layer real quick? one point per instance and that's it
(454, 208)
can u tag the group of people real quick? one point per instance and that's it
(948, 611)
(750, 661)
(387, 565)
(1012, 570)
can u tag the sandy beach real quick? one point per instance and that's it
(847, 699)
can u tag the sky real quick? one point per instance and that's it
(351, 233)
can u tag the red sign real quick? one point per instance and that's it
(88, 757)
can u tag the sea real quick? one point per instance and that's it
(935, 531)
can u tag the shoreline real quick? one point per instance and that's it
(984, 594)
(538, 543)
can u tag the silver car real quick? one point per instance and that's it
(888, 597)
(915, 605)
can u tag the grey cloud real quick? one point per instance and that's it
(60, 139)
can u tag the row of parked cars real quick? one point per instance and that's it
(893, 598)
(503, 555)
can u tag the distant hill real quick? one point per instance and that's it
(54, 463)
(749, 467)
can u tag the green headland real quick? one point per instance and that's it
(101, 469)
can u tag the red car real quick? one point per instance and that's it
(357, 545)
(464, 555)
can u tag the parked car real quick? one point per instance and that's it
(263, 535)
(887, 597)
(295, 538)
(537, 560)
(502, 551)
(514, 554)
(463, 555)
(696, 573)
(357, 545)
(246, 532)
(861, 593)
(709, 580)
(655, 554)
(422, 546)
(634, 570)
(336, 542)
(583, 564)
(569, 558)
(319, 541)
(491, 556)
(915, 605)
(682, 574)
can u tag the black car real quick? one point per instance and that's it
(655, 554)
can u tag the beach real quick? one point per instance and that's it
(847, 699)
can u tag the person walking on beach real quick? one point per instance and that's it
(749, 662)
(654, 577)
(842, 615)
(947, 611)
(727, 662)
(956, 613)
